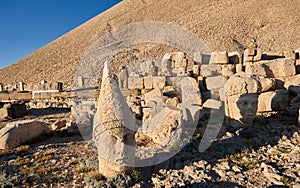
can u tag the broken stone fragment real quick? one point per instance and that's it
(212, 104)
(162, 126)
(16, 133)
(277, 68)
(215, 83)
(273, 101)
(219, 58)
(190, 92)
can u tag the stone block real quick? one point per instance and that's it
(148, 82)
(197, 57)
(228, 70)
(210, 70)
(215, 83)
(273, 69)
(163, 126)
(212, 104)
(248, 55)
(190, 92)
(16, 133)
(20, 96)
(4, 96)
(239, 68)
(159, 82)
(201, 84)
(155, 93)
(135, 83)
(267, 84)
(273, 101)
(292, 81)
(196, 70)
(219, 58)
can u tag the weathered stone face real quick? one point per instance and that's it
(116, 150)
(242, 109)
(241, 100)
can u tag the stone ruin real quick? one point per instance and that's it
(114, 128)
(170, 95)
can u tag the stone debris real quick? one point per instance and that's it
(16, 133)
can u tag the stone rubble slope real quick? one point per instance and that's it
(227, 24)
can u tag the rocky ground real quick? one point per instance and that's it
(266, 154)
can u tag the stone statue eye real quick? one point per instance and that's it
(114, 138)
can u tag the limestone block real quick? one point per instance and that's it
(190, 92)
(219, 58)
(212, 104)
(152, 107)
(196, 70)
(273, 69)
(222, 93)
(16, 133)
(228, 70)
(181, 72)
(201, 83)
(135, 83)
(159, 82)
(273, 101)
(20, 96)
(292, 81)
(210, 70)
(172, 80)
(257, 55)
(4, 113)
(248, 55)
(161, 127)
(239, 68)
(205, 58)
(266, 83)
(241, 84)
(155, 93)
(215, 83)
(197, 57)
(4, 96)
(148, 82)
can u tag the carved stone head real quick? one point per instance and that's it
(241, 100)
(114, 128)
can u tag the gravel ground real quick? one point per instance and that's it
(266, 154)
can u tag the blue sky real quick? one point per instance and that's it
(27, 25)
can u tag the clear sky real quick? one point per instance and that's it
(27, 25)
